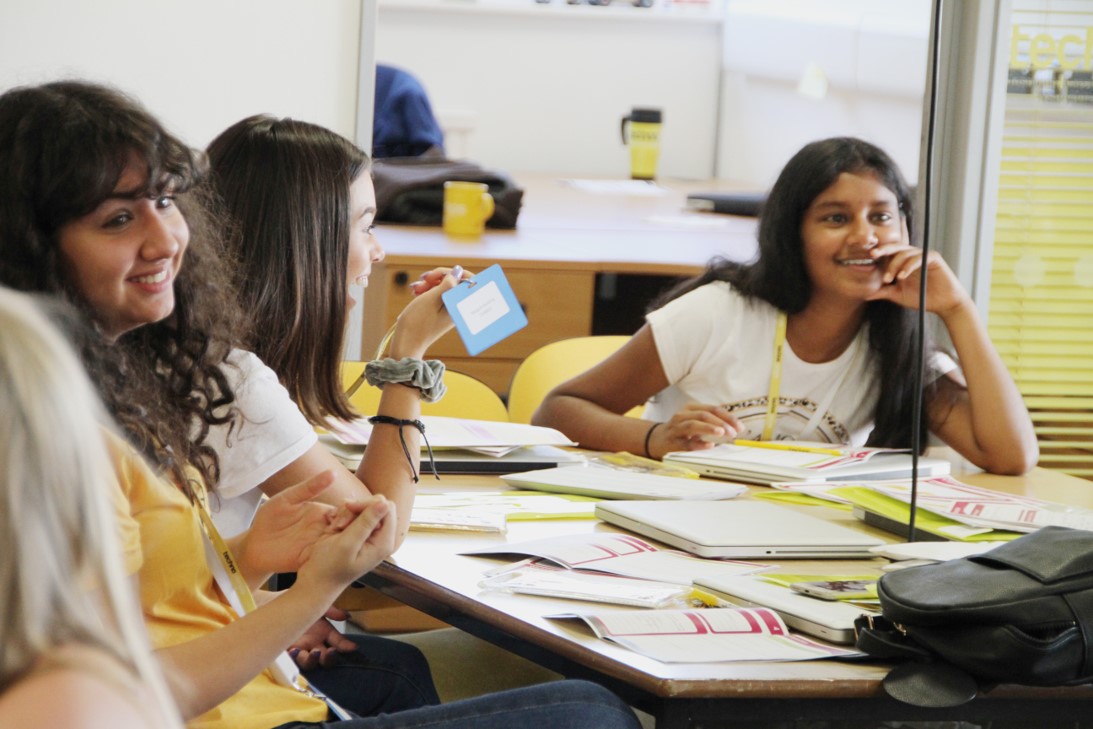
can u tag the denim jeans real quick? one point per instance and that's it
(557, 705)
(381, 677)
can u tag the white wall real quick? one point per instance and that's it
(871, 54)
(203, 64)
(544, 87)
(198, 65)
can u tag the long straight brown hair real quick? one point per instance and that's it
(285, 186)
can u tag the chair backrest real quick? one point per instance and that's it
(554, 363)
(466, 397)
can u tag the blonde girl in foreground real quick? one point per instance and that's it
(69, 624)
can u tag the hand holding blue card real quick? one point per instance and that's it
(484, 309)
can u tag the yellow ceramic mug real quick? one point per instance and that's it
(467, 207)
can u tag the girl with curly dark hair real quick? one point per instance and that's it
(87, 176)
(100, 205)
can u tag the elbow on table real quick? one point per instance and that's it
(1013, 462)
(545, 414)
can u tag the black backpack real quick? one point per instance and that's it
(1020, 613)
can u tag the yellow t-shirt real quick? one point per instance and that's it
(180, 599)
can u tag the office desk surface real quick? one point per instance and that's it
(563, 226)
(430, 573)
(566, 239)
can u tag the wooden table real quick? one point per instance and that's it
(565, 238)
(430, 574)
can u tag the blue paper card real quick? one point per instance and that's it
(484, 309)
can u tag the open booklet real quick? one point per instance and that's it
(622, 554)
(709, 635)
(612, 483)
(776, 461)
(948, 508)
(535, 577)
(491, 511)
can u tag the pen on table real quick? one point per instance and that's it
(780, 446)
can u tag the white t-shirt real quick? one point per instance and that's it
(716, 346)
(270, 434)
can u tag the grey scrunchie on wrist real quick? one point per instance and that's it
(426, 375)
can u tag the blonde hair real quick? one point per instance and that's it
(62, 575)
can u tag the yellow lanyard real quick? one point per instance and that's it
(775, 376)
(225, 570)
(228, 570)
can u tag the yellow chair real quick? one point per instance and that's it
(466, 397)
(554, 363)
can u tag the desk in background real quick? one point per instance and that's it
(429, 574)
(566, 242)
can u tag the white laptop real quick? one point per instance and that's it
(739, 529)
(827, 619)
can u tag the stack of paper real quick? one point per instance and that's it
(466, 446)
(486, 436)
(803, 462)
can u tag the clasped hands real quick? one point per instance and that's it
(292, 532)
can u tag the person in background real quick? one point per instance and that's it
(403, 123)
(70, 623)
(101, 205)
(834, 290)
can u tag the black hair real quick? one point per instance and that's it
(779, 276)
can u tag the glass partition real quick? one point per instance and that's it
(1041, 294)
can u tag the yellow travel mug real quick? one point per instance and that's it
(644, 141)
(467, 207)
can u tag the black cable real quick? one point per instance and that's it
(920, 334)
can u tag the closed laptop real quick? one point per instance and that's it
(739, 529)
(830, 620)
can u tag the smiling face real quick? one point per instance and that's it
(123, 256)
(364, 249)
(841, 226)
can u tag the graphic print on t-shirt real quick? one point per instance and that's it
(794, 414)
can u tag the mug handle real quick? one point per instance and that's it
(487, 206)
(622, 129)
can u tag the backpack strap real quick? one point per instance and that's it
(1082, 605)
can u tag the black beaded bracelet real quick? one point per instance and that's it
(401, 423)
(648, 435)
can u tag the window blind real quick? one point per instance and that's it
(1041, 304)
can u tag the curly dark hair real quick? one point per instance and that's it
(779, 276)
(63, 148)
